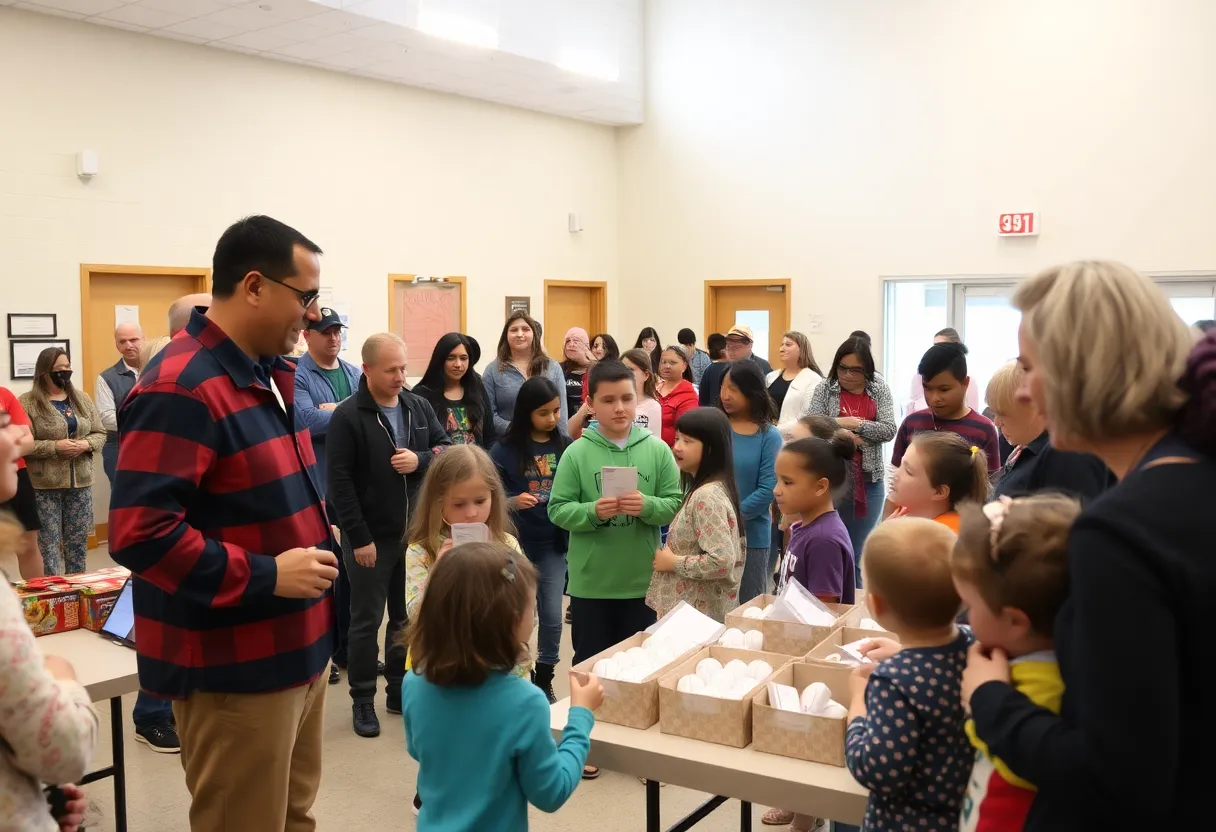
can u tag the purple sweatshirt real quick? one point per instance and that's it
(821, 558)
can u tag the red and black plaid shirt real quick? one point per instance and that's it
(213, 482)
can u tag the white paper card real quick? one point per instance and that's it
(125, 315)
(470, 533)
(852, 651)
(616, 481)
(783, 697)
(687, 624)
(796, 604)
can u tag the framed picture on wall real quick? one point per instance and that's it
(518, 303)
(23, 355)
(23, 325)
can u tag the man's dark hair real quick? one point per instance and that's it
(603, 372)
(858, 346)
(686, 337)
(944, 357)
(255, 244)
(716, 344)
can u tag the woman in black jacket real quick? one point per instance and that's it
(456, 393)
(1104, 353)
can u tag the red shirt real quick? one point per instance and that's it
(10, 405)
(859, 405)
(675, 404)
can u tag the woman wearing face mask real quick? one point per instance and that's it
(456, 392)
(520, 357)
(67, 434)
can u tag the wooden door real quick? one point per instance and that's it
(570, 303)
(103, 291)
(763, 305)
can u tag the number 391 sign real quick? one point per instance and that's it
(1018, 225)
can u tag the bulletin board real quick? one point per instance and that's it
(421, 311)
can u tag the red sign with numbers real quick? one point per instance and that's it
(1018, 225)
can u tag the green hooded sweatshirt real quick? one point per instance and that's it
(613, 558)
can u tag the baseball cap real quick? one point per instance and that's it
(328, 318)
(740, 331)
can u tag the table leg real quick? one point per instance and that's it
(745, 816)
(652, 807)
(120, 768)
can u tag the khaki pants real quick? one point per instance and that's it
(253, 761)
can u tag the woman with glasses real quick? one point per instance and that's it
(67, 434)
(859, 400)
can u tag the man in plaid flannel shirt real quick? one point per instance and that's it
(216, 510)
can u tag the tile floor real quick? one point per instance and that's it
(368, 783)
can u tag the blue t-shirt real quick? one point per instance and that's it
(65, 409)
(756, 477)
(484, 753)
(396, 421)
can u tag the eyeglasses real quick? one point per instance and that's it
(307, 299)
(850, 371)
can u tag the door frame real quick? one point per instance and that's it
(599, 300)
(87, 272)
(394, 279)
(711, 296)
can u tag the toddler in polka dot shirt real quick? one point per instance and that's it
(906, 739)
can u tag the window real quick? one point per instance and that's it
(980, 309)
(757, 321)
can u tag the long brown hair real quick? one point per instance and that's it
(639, 358)
(538, 362)
(476, 597)
(41, 390)
(806, 358)
(952, 462)
(456, 464)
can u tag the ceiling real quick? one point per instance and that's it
(576, 58)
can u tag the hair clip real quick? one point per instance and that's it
(508, 571)
(996, 512)
(975, 449)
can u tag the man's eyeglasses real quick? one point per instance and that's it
(850, 371)
(307, 299)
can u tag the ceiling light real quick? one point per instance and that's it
(458, 28)
(583, 63)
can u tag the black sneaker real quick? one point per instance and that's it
(569, 616)
(416, 806)
(542, 677)
(392, 703)
(366, 723)
(335, 675)
(161, 738)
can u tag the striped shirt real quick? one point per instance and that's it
(976, 428)
(214, 482)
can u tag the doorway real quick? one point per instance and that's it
(763, 305)
(570, 303)
(108, 293)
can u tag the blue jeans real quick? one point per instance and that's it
(860, 527)
(150, 711)
(550, 583)
(755, 575)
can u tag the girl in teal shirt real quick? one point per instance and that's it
(481, 734)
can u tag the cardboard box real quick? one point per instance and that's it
(632, 704)
(817, 739)
(843, 635)
(51, 605)
(98, 592)
(791, 637)
(707, 718)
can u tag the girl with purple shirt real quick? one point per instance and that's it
(820, 557)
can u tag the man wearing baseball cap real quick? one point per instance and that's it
(739, 341)
(322, 381)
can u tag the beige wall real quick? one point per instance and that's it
(384, 178)
(834, 143)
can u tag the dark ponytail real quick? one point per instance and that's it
(826, 458)
(1197, 422)
(951, 461)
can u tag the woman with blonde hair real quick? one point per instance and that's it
(792, 384)
(150, 348)
(1106, 363)
(1034, 465)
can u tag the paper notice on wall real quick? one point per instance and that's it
(126, 315)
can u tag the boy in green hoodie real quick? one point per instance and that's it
(612, 540)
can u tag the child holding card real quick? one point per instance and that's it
(612, 538)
